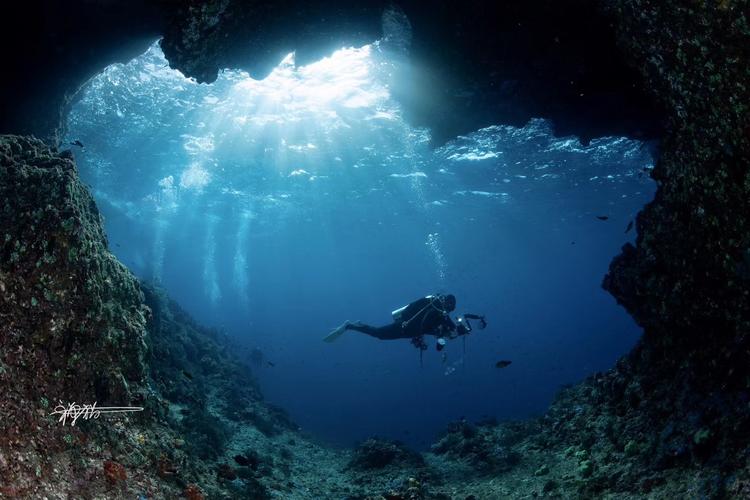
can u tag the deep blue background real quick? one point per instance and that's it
(285, 229)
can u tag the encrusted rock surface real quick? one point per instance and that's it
(375, 454)
(608, 437)
(685, 280)
(73, 322)
(74, 313)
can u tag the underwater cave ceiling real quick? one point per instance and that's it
(479, 63)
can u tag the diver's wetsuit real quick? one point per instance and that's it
(419, 318)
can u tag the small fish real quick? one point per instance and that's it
(602, 217)
(572, 242)
(502, 363)
(630, 226)
(271, 364)
(187, 375)
(78, 143)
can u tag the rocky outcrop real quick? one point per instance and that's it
(374, 454)
(73, 322)
(72, 312)
(680, 400)
(205, 37)
(616, 435)
(481, 447)
(685, 280)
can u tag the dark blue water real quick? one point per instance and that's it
(277, 209)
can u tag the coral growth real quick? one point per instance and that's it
(114, 472)
(64, 294)
(480, 446)
(73, 322)
(683, 281)
(192, 492)
(379, 453)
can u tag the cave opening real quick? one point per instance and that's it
(274, 209)
(498, 151)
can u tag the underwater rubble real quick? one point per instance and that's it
(608, 437)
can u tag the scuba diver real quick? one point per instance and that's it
(428, 315)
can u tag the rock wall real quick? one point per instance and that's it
(73, 320)
(686, 280)
(74, 313)
(52, 48)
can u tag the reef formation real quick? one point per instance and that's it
(670, 420)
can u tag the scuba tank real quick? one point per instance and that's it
(399, 313)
